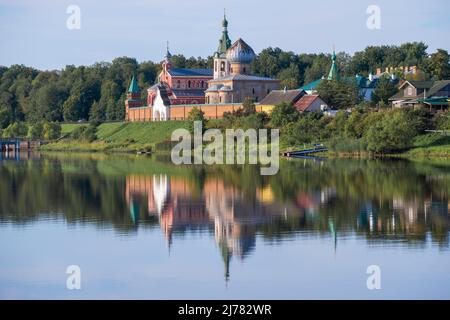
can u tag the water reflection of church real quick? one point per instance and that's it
(181, 205)
(216, 207)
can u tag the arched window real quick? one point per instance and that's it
(253, 90)
(178, 83)
(222, 66)
(189, 83)
(203, 84)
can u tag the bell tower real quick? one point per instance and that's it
(222, 67)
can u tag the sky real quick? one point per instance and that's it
(35, 32)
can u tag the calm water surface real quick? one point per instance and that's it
(142, 228)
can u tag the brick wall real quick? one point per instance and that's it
(180, 112)
(139, 114)
(212, 111)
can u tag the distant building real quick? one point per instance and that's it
(333, 74)
(366, 85)
(276, 97)
(432, 94)
(311, 103)
(402, 70)
(183, 86)
(298, 98)
(233, 81)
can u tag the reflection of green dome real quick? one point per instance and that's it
(134, 212)
(226, 256)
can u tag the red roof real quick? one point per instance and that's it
(305, 101)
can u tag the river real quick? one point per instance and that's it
(141, 227)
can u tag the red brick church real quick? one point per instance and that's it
(179, 90)
(183, 86)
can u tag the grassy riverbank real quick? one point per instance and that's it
(434, 145)
(430, 145)
(145, 136)
(118, 137)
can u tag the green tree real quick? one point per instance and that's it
(196, 114)
(97, 114)
(290, 77)
(442, 121)
(51, 130)
(48, 103)
(248, 107)
(340, 94)
(283, 114)
(338, 123)
(311, 127)
(354, 126)
(318, 69)
(384, 90)
(5, 117)
(16, 130)
(439, 65)
(393, 133)
(110, 100)
(72, 107)
(36, 131)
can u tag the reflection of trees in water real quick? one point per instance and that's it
(380, 200)
(73, 190)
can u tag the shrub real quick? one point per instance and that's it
(442, 121)
(310, 128)
(90, 134)
(51, 130)
(394, 132)
(85, 133)
(196, 114)
(77, 133)
(419, 118)
(350, 145)
(252, 121)
(36, 131)
(16, 130)
(283, 114)
(248, 107)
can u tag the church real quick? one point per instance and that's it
(215, 91)
(233, 81)
(183, 86)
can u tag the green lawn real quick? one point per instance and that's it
(67, 128)
(107, 129)
(139, 132)
(119, 136)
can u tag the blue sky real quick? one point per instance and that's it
(34, 32)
